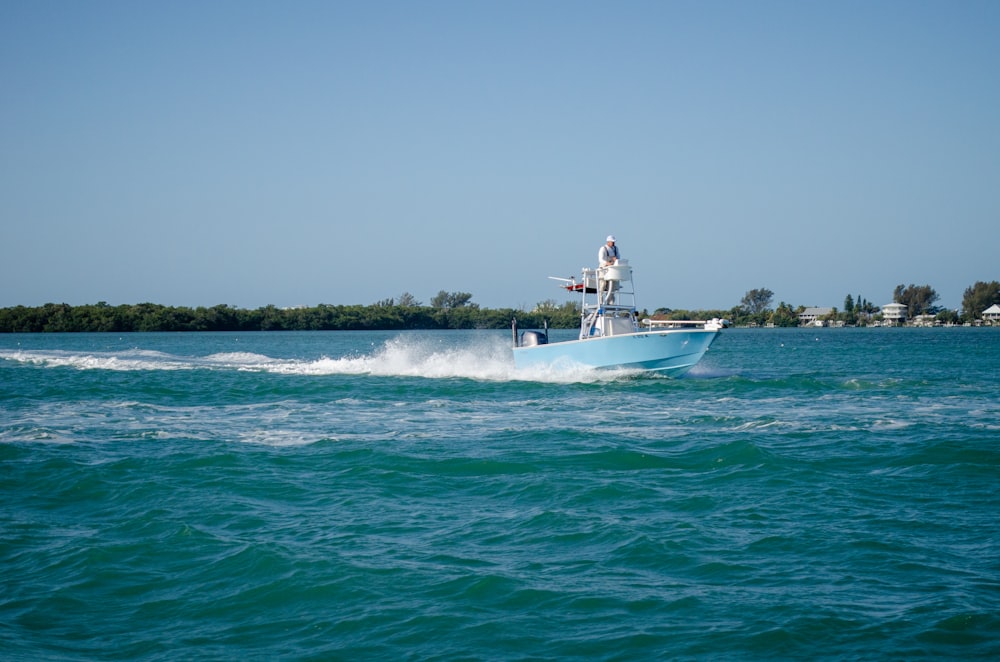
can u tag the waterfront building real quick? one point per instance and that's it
(813, 316)
(894, 314)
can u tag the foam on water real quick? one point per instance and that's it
(123, 361)
(484, 360)
(403, 356)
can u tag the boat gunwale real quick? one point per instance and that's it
(660, 332)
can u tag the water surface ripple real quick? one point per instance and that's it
(826, 493)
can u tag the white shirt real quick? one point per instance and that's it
(607, 254)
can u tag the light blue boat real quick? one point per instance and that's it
(611, 335)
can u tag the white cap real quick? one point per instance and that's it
(611, 237)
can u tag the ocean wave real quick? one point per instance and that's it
(129, 360)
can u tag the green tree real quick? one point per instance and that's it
(947, 317)
(849, 313)
(452, 300)
(784, 316)
(407, 300)
(755, 306)
(979, 297)
(757, 301)
(918, 299)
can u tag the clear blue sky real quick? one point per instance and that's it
(253, 153)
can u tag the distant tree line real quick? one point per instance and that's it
(450, 310)
(755, 307)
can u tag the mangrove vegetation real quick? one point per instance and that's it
(456, 310)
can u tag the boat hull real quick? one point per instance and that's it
(672, 352)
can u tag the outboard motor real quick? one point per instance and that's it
(533, 338)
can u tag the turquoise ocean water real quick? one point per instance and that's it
(802, 494)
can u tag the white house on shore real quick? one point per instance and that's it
(992, 314)
(894, 314)
(810, 316)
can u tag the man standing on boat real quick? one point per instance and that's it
(608, 257)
